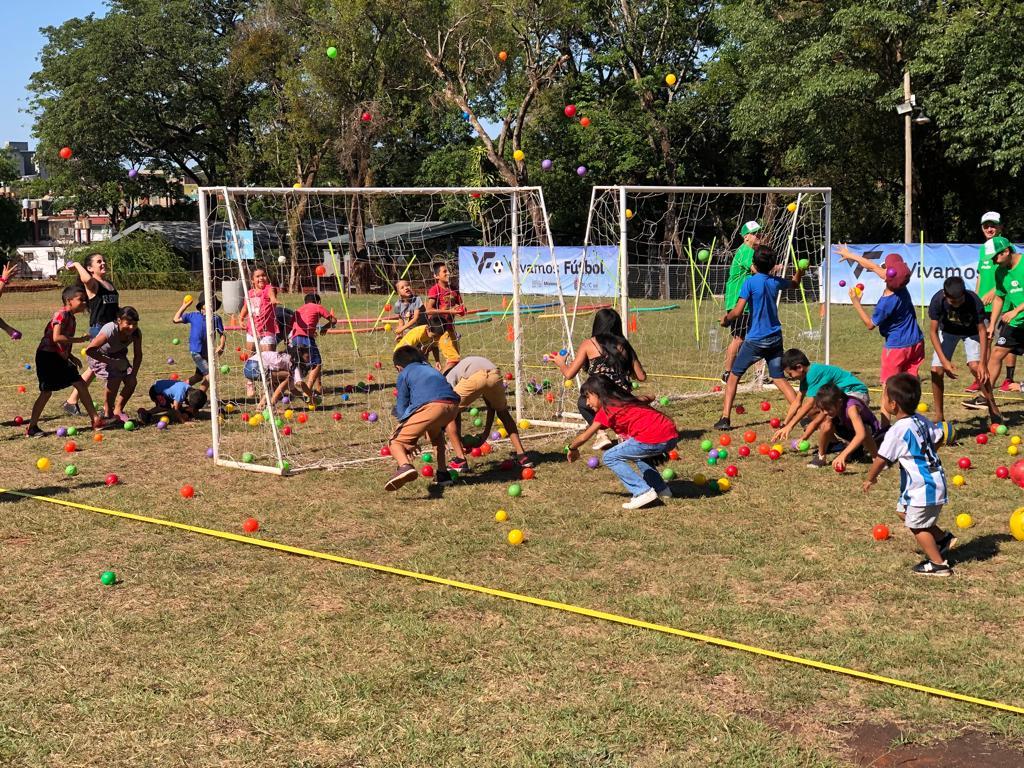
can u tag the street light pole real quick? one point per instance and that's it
(908, 164)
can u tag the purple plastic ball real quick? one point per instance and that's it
(209, 453)
(890, 272)
(372, 417)
(62, 431)
(495, 436)
(546, 164)
(286, 399)
(794, 444)
(581, 171)
(133, 173)
(842, 283)
(170, 361)
(713, 453)
(593, 462)
(15, 335)
(161, 425)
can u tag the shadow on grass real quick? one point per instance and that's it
(980, 549)
(46, 490)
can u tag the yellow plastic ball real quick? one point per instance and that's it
(297, 185)
(501, 515)
(188, 298)
(519, 155)
(724, 484)
(42, 464)
(82, 352)
(502, 432)
(858, 291)
(515, 537)
(1013, 450)
(958, 480)
(165, 419)
(524, 424)
(700, 479)
(230, 408)
(963, 520)
(310, 407)
(288, 414)
(791, 207)
(629, 213)
(387, 327)
(1015, 440)
(1017, 524)
(255, 421)
(670, 79)
(777, 447)
(568, 383)
(922, 407)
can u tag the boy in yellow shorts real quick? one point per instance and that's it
(473, 378)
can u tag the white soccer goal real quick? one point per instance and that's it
(675, 246)
(351, 246)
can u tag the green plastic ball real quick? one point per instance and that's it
(427, 458)
(129, 426)
(285, 465)
(332, 52)
(1001, 429)
(705, 445)
(474, 411)
(175, 341)
(703, 254)
(72, 431)
(636, 385)
(723, 454)
(803, 264)
(663, 399)
(668, 474)
(712, 461)
(267, 415)
(108, 578)
(804, 446)
(248, 458)
(278, 421)
(478, 422)
(70, 470)
(515, 490)
(225, 369)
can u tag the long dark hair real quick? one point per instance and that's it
(609, 393)
(607, 332)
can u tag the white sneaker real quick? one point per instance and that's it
(601, 442)
(642, 500)
(666, 494)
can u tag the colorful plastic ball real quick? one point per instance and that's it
(501, 516)
(724, 484)
(287, 431)
(366, 117)
(72, 431)
(703, 254)
(842, 283)
(1013, 450)
(503, 55)
(705, 445)
(1017, 524)
(860, 287)
(332, 52)
(581, 170)
(732, 470)
(108, 578)
(371, 418)
(1002, 472)
(585, 122)
(524, 424)
(803, 264)
(476, 453)
(593, 462)
(129, 425)
(21, 389)
(427, 470)
(515, 537)
(803, 446)
(250, 525)
(700, 479)
(749, 436)
(670, 79)
(570, 110)
(515, 490)
(528, 473)
(519, 155)
(28, 366)
(175, 377)
(992, 428)
(248, 458)
(794, 444)
(302, 418)
(161, 425)
(740, 410)
(880, 532)
(97, 438)
(964, 462)
(744, 451)
(774, 454)
(187, 491)
(1015, 440)
(890, 273)
(663, 400)
(673, 455)
(70, 446)
(426, 458)
(111, 479)
(958, 480)
(175, 341)
(713, 453)
(546, 164)
(839, 467)
(668, 474)
(42, 464)
(65, 153)
(725, 440)
(723, 454)
(981, 439)
(70, 470)
(964, 520)
(225, 368)
(948, 433)
(764, 449)
(775, 423)
(209, 453)
(922, 407)
(712, 460)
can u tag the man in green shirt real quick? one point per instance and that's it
(739, 270)
(991, 226)
(1006, 322)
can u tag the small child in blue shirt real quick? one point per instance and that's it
(176, 399)
(426, 404)
(196, 322)
(764, 337)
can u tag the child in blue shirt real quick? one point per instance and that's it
(176, 399)
(426, 404)
(764, 336)
(894, 317)
(196, 322)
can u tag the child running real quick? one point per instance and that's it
(56, 367)
(426, 404)
(9, 271)
(848, 418)
(764, 337)
(956, 314)
(305, 326)
(646, 436)
(894, 317)
(196, 322)
(175, 399)
(445, 302)
(108, 358)
(812, 377)
(913, 441)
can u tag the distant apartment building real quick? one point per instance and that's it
(25, 158)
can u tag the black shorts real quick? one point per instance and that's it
(55, 372)
(740, 326)
(1011, 337)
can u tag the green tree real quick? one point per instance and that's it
(13, 230)
(9, 168)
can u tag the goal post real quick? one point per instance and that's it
(351, 246)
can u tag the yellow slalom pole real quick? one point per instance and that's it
(344, 301)
(803, 293)
(693, 287)
(920, 271)
(530, 600)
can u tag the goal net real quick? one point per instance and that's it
(675, 247)
(352, 247)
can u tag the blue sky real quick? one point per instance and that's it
(22, 43)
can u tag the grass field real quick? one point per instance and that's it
(210, 652)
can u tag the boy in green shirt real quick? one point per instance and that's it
(991, 226)
(739, 270)
(1006, 323)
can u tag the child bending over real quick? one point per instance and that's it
(176, 399)
(848, 418)
(108, 358)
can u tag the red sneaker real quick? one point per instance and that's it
(973, 388)
(1005, 386)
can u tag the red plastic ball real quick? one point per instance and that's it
(70, 447)
(476, 453)
(716, 388)
(175, 377)
(964, 463)
(725, 440)
(21, 389)
(486, 449)
(66, 153)
(302, 418)
(1017, 472)
(528, 473)
(981, 439)
(366, 117)
(250, 525)
(321, 270)
(732, 470)
(1002, 472)
(775, 423)
(509, 377)
(365, 415)
(673, 454)
(377, 365)
(387, 307)
(245, 417)
(992, 428)
(187, 491)
(880, 532)
(111, 479)
(19, 420)
(369, 377)
(749, 436)
(764, 449)
(744, 451)
(336, 416)
(740, 410)
(385, 451)
(286, 431)
(427, 471)
(774, 455)
(585, 122)
(840, 467)
(765, 405)
(570, 110)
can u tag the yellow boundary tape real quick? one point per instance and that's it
(565, 607)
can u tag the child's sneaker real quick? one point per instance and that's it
(973, 388)
(33, 431)
(142, 416)
(71, 410)
(442, 479)
(665, 493)
(1006, 386)
(647, 497)
(946, 543)
(524, 461)
(601, 442)
(458, 465)
(817, 462)
(976, 404)
(928, 568)
(404, 474)
(723, 424)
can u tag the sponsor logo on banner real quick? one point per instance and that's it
(929, 267)
(489, 270)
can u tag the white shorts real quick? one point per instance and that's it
(918, 518)
(864, 397)
(265, 341)
(949, 342)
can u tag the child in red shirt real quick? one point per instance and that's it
(647, 435)
(445, 301)
(305, 326)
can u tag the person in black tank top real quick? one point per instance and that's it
(104, 302)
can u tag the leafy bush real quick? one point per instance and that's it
(140, 260)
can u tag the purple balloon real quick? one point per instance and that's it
(581, 171)
(546, 164)
(209, 453)
(372, 416)
(593, 462)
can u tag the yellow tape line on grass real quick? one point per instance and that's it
(567, 608)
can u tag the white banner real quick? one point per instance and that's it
(489, 270)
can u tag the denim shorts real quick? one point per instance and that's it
(202, 367)
(768, 349)
(306, 342)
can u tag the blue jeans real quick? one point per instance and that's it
(617, 460)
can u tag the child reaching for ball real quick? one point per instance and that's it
(426, 404)
(196, 322)
(9, 271)
(176, 399)
(646, 437)
(108, 358)
(847, 417)
(913, 441)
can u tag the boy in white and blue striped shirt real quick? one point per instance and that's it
(913, 441)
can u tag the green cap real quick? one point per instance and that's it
(750, 228)
(997, 245)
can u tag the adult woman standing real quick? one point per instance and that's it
(103, 301)
(606, 353)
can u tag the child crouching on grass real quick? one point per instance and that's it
(426, 404)
(647, 435)
(175, 399)
(848, 418)
(108, 359)
(913, 441)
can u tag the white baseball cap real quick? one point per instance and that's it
(750, 228)
(991, 217)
